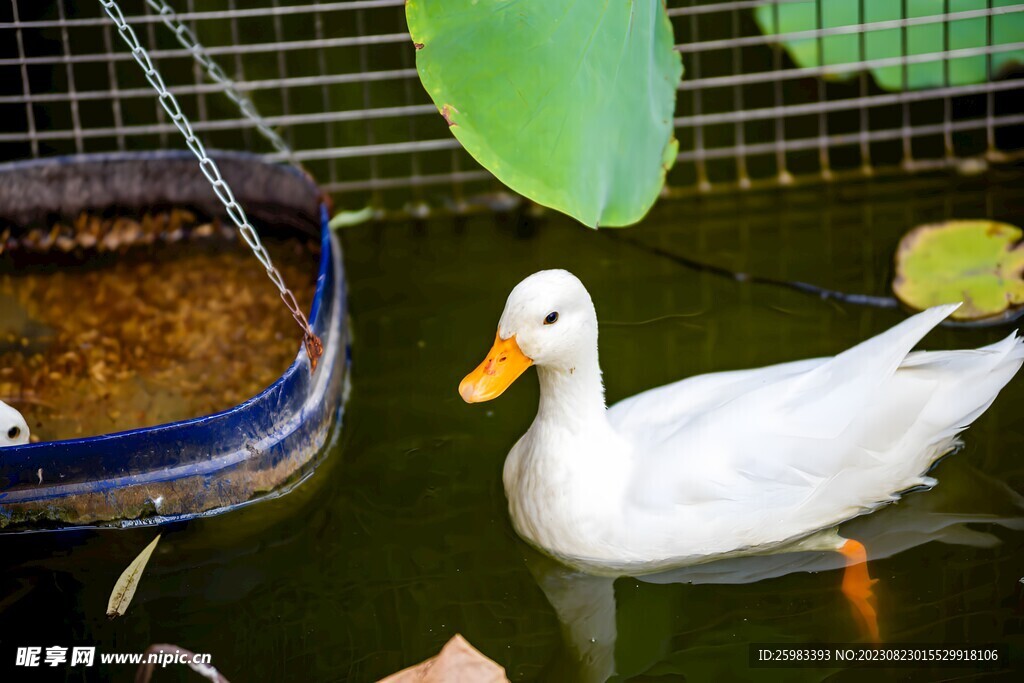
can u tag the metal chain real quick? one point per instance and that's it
(188, 40)
(209, 168)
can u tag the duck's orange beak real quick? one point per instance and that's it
(504, 363)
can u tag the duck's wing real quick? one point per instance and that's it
(649, 415)
(812, 398)
(774, 454)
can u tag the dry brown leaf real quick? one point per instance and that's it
(124, 589)
(458, 662)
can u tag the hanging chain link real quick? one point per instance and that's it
(314, 347)
(188, 40)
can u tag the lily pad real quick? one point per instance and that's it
(922, 38)
(979, 262)
(567, 102)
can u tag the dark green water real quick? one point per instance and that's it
(402, 538)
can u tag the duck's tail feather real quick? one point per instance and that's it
(913, 420)
(823, 402)
(968, 380)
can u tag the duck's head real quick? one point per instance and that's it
(548, 321)
(13, 428)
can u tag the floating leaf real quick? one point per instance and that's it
(457, 661)
(979, 262)
(124, 589)
(887, 43)
(569, 103)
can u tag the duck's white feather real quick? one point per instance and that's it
(745, 462)
(759, 458)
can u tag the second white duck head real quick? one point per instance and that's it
(13, 428)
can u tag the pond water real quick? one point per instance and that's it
(402, 538)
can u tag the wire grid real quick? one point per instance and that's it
(338, 80)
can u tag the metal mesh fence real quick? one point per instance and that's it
(774, 90)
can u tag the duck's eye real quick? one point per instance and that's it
(14, 432)
(552, 318)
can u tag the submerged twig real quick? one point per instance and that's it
(822, 293)
(803, 287)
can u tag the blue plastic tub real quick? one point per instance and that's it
(201, 466)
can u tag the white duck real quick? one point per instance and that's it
(747, 462)
(13, 428)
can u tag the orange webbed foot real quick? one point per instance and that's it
(857, 585)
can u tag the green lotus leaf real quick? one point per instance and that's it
(568, 102)
(836, 50)
(979, 262)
